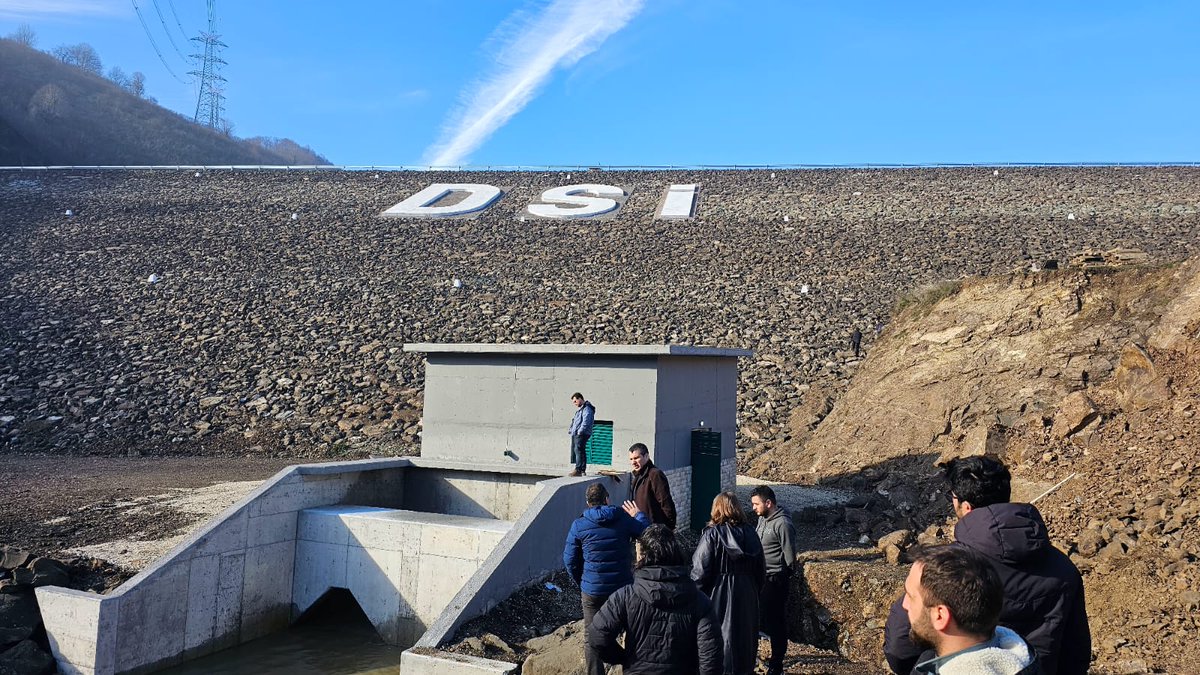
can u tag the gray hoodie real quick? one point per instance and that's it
(778, 537)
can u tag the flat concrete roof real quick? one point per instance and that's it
(579, 350)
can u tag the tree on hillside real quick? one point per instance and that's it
(118, 77)
(81, 55)
(23, 35)
(48, 103)
(137, 84)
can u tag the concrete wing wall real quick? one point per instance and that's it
(477, 407)
(229, 583)
(531, 549)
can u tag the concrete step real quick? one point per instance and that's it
(403, 567)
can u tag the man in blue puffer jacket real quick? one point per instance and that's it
(599, 555)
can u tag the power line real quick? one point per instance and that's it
(166, 30)
(171, 4)
(150, 37)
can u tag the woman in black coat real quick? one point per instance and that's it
(729, 568)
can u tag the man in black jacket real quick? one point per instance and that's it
(668, 623)
(1043, 591)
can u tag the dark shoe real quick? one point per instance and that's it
(575, 474)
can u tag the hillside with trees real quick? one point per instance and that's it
(59, 109)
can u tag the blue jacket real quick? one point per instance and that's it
(599, 552)
(585, 417)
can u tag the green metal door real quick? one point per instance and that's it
(706, 474)
(599, 446)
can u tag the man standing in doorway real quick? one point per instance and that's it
(778, 537)
(581, 431)
(649, 486)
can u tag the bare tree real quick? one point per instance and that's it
(118, 77)
(23, 35)
(48, 102)
(81, 55)
(227, 127)
(137, 84)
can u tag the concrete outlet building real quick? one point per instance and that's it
(423, 544)
(510, 404)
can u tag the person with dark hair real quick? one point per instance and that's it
(856, 341)
(598, 556)
(729, 568)
(580, 431)
(952, 597)
(778, 536)
(1043, 590)
(668, 623)
(650, 488)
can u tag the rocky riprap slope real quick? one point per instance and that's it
(263, 330)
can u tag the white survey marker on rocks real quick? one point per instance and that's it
(153, 279)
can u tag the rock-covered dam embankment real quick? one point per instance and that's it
(262, 329)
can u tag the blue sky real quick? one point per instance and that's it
(679, 81)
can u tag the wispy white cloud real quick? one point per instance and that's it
(527, 49)
(24, 10)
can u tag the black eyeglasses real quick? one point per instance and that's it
(950, 497)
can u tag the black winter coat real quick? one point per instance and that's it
(729, 568)
(1043, 591)
(668, 623)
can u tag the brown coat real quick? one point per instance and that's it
(652, 494)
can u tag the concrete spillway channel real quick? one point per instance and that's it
(422, 545)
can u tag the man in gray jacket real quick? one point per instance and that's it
(778, 537)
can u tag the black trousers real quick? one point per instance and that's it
(591, 605)
(772, 603)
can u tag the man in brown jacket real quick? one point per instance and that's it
(651, 492)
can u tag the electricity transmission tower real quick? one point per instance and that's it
(211, 100)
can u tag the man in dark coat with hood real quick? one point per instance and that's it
(668, 623)
(1043, 591)
(599, 556)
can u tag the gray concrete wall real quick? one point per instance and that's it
(232, 581)
(691, 390)
(530, 550)
(479, 405)
(401, 566)
(482, 494)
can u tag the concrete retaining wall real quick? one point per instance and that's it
(231, 581)
(530, 550)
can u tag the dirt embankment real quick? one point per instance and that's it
(1087, 384)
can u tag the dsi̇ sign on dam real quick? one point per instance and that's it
(585, 200)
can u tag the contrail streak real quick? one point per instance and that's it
(559, 36)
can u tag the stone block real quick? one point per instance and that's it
(447, 663)
(374, 578)
(227, 620)
(258, 624)
(450, 542)
(322, 525)
(203, 580)
(224, 536)
(439, 579)
(152, 621)
(267, 578)
(272, 529)
(318, 567)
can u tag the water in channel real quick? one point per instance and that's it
(333, 638)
